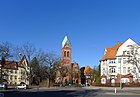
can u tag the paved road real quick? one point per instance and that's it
(68, 92)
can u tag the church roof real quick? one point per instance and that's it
(66, 40)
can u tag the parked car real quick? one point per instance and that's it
(3, 86)
(21, 86)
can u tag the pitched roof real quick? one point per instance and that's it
(88, 70)
(66, 41)
(11, 65)
(125, 76)
(111, 52)
(103, 76)
(14, 64)
(20, 62)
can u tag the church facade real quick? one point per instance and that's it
(73, 73)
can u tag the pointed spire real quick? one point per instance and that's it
(66, 40)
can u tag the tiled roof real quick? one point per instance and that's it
(103, 76)
(11, 65)
(111, 52)
(88, 70)
(128, 75)
(125, 76)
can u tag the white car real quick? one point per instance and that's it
(22, 86)
(3, 86)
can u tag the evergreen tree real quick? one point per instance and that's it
(35, 71)
(98, 80)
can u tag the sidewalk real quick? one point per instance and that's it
(112, 88)
(117, 90)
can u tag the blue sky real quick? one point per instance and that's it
(91, 25)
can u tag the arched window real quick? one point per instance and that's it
(68, 54)
(64, 53)
(112, 70)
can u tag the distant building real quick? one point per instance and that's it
(86, 75)
(115, 67)
(16, 72)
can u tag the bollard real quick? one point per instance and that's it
(115, 91)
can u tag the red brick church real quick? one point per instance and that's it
(73, 71)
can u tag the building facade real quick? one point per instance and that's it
(16, 72)
(116, 66)
(73, 74)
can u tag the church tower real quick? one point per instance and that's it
(66, 52)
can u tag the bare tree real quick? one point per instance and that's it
(134, 55)
(6, 50)
(51, 58)
(41, 57)
(47, 60)
(5, 53)
(26, 49)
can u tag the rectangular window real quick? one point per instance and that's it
(109, 61)
(124, 52)
(15, 71)
(128, 52)
(119, 60)
(124, 69)
(15, 77)
(11, 77)
(138, 60)
(119, 68)
(128, 69)
(134, 69)
(124, 61)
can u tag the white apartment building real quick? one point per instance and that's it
(16, 72)
(116, 66)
